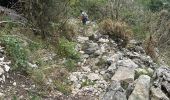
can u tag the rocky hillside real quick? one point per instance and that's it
(105, 71)
(108, 72)
(84, 50)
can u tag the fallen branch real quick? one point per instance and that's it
(1, 22)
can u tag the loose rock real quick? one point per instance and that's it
(141, 91)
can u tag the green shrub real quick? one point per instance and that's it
(16, 52)
(70, 64)
(39, 14)
(64, 88)
(67, 49)
(33, 46)
(38, 76)
(87, 82)
(90, 6)
(42, 13)
(35, 97)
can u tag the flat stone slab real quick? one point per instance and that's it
(124, 74)
(141, 90)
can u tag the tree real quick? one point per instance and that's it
(42, 13)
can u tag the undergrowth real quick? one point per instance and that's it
(149, 46)
(16, 52)
(117, 30)
(67, 50)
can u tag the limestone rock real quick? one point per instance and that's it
(157, 94)
(93, 76)
(82, 39)
(162, 79)
(6, 68)
(114, 92)
(2, 95)
(92, 47)
(127, 63)
(141, 90)
(124, 74)
(1, 71)
(103, 40)
(73, 78)
(114, 58)
(86, 68)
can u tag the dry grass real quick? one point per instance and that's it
(106, 26)
(149, 46)
(118, 30)
(69, 30)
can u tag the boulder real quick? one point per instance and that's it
(115, 57)
(1, 71)
(7, 68)
(162, 79)
(141, 90)
(91, 48)
(2, 95)
(82, 39)
(157, 94)
(114, 92)
(124, 74)
(127, 63)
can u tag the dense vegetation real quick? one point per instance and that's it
(48, 26)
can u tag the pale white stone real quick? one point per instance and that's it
(93, 76)
(103, 40)
(141, 90)
(86, 68)
(124, 74)
(73, 78)
(6, 68)
(1, 71)
(14, 84)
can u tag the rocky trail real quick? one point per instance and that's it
(105, 72)
(108, 72)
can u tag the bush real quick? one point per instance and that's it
(65, 89)
(16, 52)
(70, 64)
(38, 76)
(119, 31)
(90, 6)
(67, 49)
(69, 30)
(42, 13)
(155, 5)
(106, 26)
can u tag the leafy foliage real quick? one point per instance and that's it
(92, 7)
(42, 13)
(67, 49)
(16, 51)
(70, 64)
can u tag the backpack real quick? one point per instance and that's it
(84, 15)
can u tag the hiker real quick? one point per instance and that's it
(84, 17)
